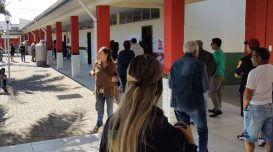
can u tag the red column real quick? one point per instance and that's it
(37, 36)
(259, 22)
(59, 36)
(74, 28)
(103, 25)
(49, 37)
(30, 41)
(42, 34)
(256, 20)
(269, 27)
(173, 31)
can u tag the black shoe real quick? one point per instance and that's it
(211, 110)
(241, 137)
(216, 113)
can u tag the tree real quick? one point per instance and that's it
(3, 8)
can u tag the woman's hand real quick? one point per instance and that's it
(92, 73)
(114, 78)
(187, 133)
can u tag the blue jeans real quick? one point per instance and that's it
(199, 118)
(101, 100)
(258, 118)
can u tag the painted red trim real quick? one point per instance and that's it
(74, 28)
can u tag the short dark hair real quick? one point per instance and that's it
(127, 44)
(134, 40)
(263, 53)
(217, 41)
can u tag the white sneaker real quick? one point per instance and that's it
(261, 142)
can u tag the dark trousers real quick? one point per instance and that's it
(123, 81)
(4, 83)
(242, 103)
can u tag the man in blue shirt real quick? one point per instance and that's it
(188, 81)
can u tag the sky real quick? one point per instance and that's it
(26, 9)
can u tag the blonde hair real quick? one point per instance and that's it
(134, 116)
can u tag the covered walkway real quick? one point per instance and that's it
(35, 105)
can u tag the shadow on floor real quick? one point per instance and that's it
(50, 127)
(38, 82)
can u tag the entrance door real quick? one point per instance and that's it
(147, 37)
(89, 54)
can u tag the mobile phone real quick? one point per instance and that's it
(181, 124)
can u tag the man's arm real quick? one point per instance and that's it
(247, 97)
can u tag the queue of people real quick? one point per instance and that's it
(193, 78)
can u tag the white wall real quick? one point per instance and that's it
(122, 32)
(217, 18)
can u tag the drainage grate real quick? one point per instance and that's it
(68, 96)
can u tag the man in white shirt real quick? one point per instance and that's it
(138, 50)
(258, 109)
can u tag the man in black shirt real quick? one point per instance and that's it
(208, 59)
(245, 66)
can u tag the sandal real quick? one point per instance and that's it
(95, 130)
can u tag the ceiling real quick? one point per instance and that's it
(72, 8)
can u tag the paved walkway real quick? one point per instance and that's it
(45, 104)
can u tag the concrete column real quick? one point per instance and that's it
(49, 44)
(173, 31)
(75, 58)
(59, 45)
(103, 20)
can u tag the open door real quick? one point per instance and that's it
(89, 54)
(147, 37)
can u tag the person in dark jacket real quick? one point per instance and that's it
(245, 66)
(3, 78)
(124, 59)
(208, 58)
(22, 50)
(12, 51)
(138, 125)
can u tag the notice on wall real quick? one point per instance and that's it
(158, 45)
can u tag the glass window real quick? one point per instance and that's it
(146, 12)
(122, 18)
(155, 13)
(113, 19)
(136, 15)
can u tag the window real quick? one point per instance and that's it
(136, 14)
(139, 14)
(145, 13)
(113, 19)
(155, 13)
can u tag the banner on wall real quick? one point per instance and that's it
(158, 45)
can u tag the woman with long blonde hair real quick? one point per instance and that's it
(138, 125)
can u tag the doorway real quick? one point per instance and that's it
(147, 37)
(88, 49)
